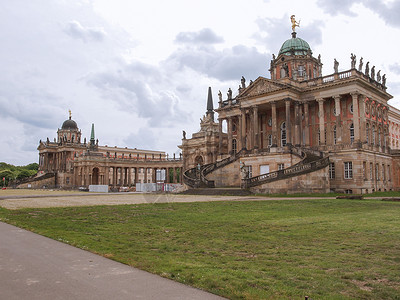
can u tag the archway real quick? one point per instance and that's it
(199, 160)
(95, 176)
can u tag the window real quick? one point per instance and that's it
(371, 171)
(348, 170)
(234, 146)
(264, 169)
(379, 137)
(351, 133)
(377, 172)
(365, 170)
(250, 171)
(332, 170)
(67, 180)
(334, 135)
(383, 172)
(270, 140)
(281, 166)
(233, 126)
(283, 134)
(373, 135)
(388, 170)
(301, 71)
(319, 137)
(367, 133)
(351, 108)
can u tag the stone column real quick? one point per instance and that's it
(220, 136)
(136, 175)
(362, 119)
(145, 175)
(288, 124)
(154, 175)
(129, 176)
(338, 119)
(274, 125)
(306, 125)
(256, 132)
(239, 134)
(174, 175)
(107, 175)
(297, 127)
(356, 121)
(229, 135)
(321, 117)
(82, 177)
(244, 129)
(88, 176)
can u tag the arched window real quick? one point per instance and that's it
(283, 134)
(234, 146)
(367, 133)
(351, 133)
(334, 134)
(373, 135)
(379, 137)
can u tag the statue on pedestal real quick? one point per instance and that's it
(335, 65)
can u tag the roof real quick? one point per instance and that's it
(296, 46)
(69, 124)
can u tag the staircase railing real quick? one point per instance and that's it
(197, 178)
(312, 161)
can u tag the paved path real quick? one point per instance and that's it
(89, 199)
(36, 267)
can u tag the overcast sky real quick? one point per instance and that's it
(140, 70)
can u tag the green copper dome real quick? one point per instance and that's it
(295, 45)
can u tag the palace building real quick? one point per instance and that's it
(299, 131)
(70, 162)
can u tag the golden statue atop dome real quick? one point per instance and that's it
(69, 114)
(294, 23)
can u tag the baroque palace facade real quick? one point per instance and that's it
(300, 131)
(69, 162)
(297, 131)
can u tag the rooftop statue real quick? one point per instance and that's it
(336, 66)
(353, 61)
(360, 65)
(294, 23)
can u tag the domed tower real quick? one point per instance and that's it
(69, 132)
(295, 61)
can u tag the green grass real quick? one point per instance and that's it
(326, 249)
(332, 195)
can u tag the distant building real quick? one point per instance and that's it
(70, 162)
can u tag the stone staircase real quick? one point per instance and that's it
(218, 192)
(311, 161)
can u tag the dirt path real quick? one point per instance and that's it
(16, 199)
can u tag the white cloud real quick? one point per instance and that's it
(75, 30)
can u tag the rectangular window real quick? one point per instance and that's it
(264, 169)
(332, 174)
(348, 170)
(281, 166)
(388, 170)
(377, 172)
(371, 171)
(250, 169)
(383, 172)
(365, 170)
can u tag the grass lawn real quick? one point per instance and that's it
(326, 249)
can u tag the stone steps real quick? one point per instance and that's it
(218, 192)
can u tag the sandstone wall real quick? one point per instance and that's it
(315, 182)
